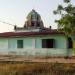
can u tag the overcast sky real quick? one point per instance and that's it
(15, 12)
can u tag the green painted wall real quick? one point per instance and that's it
(33, 45)
(36, 42)
(28, 42)
(60, 41)
(12, 43)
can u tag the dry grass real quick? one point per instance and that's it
(22, 68)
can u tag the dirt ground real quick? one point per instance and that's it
(37, 59)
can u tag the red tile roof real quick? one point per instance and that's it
(43, 32)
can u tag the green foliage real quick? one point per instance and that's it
(66, 1)
(67, 20)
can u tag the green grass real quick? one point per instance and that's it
(22, 68)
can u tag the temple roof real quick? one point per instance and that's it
(33, 21)
(34, 15)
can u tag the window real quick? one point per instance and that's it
(47, 43)
(70, 43)
(19, 43)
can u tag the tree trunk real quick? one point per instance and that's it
(73, 47)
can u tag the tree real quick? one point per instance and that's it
(67, 21)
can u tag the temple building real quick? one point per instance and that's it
(34, 39)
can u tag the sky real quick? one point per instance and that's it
(16, 11)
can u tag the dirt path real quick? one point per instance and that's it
(37, 59)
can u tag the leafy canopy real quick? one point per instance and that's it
(67, 20)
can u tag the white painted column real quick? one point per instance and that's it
(33, 42)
